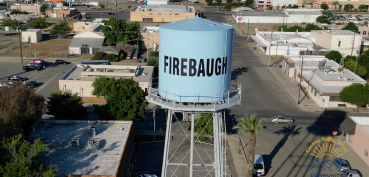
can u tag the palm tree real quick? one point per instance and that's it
(335, 3)
(249, 125)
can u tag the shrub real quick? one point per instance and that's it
(228, 6)
(98, 56)
(111, 57)
(153, 61)
(200, 138)
(154, 54)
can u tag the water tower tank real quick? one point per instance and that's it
(195, 59)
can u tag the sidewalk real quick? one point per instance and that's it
(239, 158)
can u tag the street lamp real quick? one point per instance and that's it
(19, 29)
(147, 45)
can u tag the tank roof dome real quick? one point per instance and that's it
(196, 24)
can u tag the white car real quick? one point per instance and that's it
(83, 13)
(259, 168)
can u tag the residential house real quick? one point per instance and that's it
(110, 50)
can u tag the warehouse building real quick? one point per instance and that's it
(288, 16)
(161, 13)
(80, 77)
(82, 148)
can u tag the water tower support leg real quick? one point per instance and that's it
(192, 142)
(166, 145)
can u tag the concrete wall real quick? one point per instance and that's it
(357, 142)
(74, 50)
(160, 16)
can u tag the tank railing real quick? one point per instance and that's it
(225, 98)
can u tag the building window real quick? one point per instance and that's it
(364, 32)
(314, 93)
(334, 98)
(176, 14)
(147, 19)
(150, 14)
(311, 90)
(339, 43)
(269, 2)
(159, 13)
(350, 138)
(366, 152)
(261, 1)
(170, 14)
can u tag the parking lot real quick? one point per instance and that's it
(47, 79)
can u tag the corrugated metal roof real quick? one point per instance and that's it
(196, 24)
(91, 42)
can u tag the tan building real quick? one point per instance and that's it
(161, 13)
(64, 12)
(33, 9)
(364, 31)
(153, 40)
(344, 41)
(357, 135)
(355, 3)
(322, 79)
(80, 77)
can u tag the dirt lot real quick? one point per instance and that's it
(49, 48)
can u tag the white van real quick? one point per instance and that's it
(259, 168)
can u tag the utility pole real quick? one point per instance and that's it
(284, 15)
(20, 43)
(147, 45)
(248, 27)
(116, 9)
(302, 65)
(276, 50)
(270, 47)
(353, 42)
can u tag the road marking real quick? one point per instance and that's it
(40, 88)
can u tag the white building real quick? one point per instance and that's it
(287, 16)
(31, 35)
(155, 2)
(88, 41)
(322, 79)
(263, 4)
(284, 43)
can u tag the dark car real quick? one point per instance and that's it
(342, 164)
(39, 61)
(61, 62)
(16, 78)
(31, 84)
(109, 13)
(33, 67)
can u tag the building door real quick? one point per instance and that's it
(85, 50)
(53, 15)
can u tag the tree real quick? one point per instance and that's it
(326, 17)
(295, 6)
(15, 11)
(335, 3)
(356, 10)
(60, 29)
(284, 27)
(125, 99)
(203, 125)
(270, 8)
(334, 55)
(21, 158)
(153, 61)
(350, 26)
(363, 60)
(20, 107)
(324, 6)
(228, 6)
(111, 57)
(362, 7)
(356, 94)
(295, 28)
(118, 30)
(11, 23)
(43, 8)
(348, 7)
(218, 2)
(99, 56)
(124, 47)
(350, 64)
(39, 23)
(210, 2)
(365, 23)
(249, 2)
(249, 125)
(66, 105)
(311, 26)
(229, 1)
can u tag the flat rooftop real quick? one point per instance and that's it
(335, 32)
(164, 8)
(150, 29)
(259, 13)
(362, 121)
(90, 72)
(72, 158)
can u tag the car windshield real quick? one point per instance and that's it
(344, 164)
(274, 117)
(258, 166)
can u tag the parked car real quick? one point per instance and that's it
(351, 173)
(39, 61)
(342, 164)
(10, 83)
(32, 67)
(259, 168)
(109, 13)
(279, 118)
(61, 62)
(16, 78)
(31, 84)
